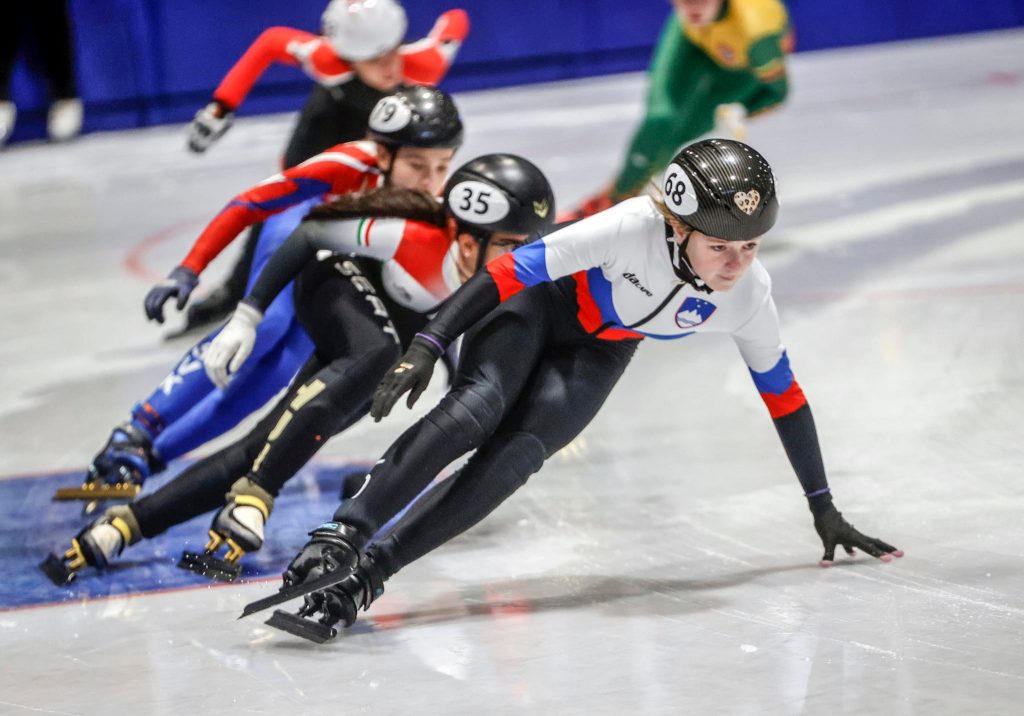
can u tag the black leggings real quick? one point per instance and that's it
(529, 381)
(356, 342)
(47, 21)
(331, 115)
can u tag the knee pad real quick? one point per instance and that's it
(512, 460)
(469, 414)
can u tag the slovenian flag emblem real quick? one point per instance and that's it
(694, 312)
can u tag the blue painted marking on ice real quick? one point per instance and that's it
(31, 525)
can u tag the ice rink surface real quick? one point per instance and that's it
(665, 561)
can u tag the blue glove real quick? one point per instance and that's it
(180, 283)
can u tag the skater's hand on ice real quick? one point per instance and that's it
(410, 374)
(209, 125)
(179, 284)
(834, 530)
(228, 351)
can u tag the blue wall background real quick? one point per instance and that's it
(143, 62)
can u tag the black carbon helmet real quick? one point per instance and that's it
(416, 116)
(722, 188)
(500, 192)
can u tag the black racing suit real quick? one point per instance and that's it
(356, 341)
(514, 413)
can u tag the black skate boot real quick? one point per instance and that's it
(330, 555)
(95, 546)
(238, 527)
(118, 470)
(338, 603)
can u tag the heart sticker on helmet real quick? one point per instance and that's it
(678, 191)
(477, 202)
(747, 201)
(390, 115)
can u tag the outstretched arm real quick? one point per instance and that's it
(577, 247)
(271, 46)
(768, 64)
(758, 342)
(367, 237)
(427, 61)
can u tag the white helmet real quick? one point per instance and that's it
(364, 29)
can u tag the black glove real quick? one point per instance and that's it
(329, 549)
(411, 373)
(180, 283)
(834, 530)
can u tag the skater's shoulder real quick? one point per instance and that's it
(758, 18)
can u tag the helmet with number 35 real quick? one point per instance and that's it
(500, 192)
(722, 188)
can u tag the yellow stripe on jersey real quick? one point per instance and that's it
(728, 41)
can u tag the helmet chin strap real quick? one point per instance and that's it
(680, 261)
(482, 240)
(392, 150)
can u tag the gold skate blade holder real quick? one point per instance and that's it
(209, 566)
(122, 491)
(58, 570)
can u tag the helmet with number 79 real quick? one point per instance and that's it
(364, 29)
(722, 188)
(416, 116)
(500, 192)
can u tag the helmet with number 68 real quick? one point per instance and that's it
(722, 188)
(500, 192)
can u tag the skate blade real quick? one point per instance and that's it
(209, 566)
(286, 594)
(98, 492)
(301, 627)
(57, 571)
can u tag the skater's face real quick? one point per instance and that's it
(697, 13)
(721, 264)
(418, 168)
(382, 73)
(501, 242)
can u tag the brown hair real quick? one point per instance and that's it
(658, 199)
(384, 202)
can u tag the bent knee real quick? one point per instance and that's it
(526, 454)
(471, 413)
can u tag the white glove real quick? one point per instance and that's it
(209, 125)
(731, 121)
(232, 346)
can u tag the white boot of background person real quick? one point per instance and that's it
(8, 114)
(64, 120)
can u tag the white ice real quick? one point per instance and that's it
(665, 561)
